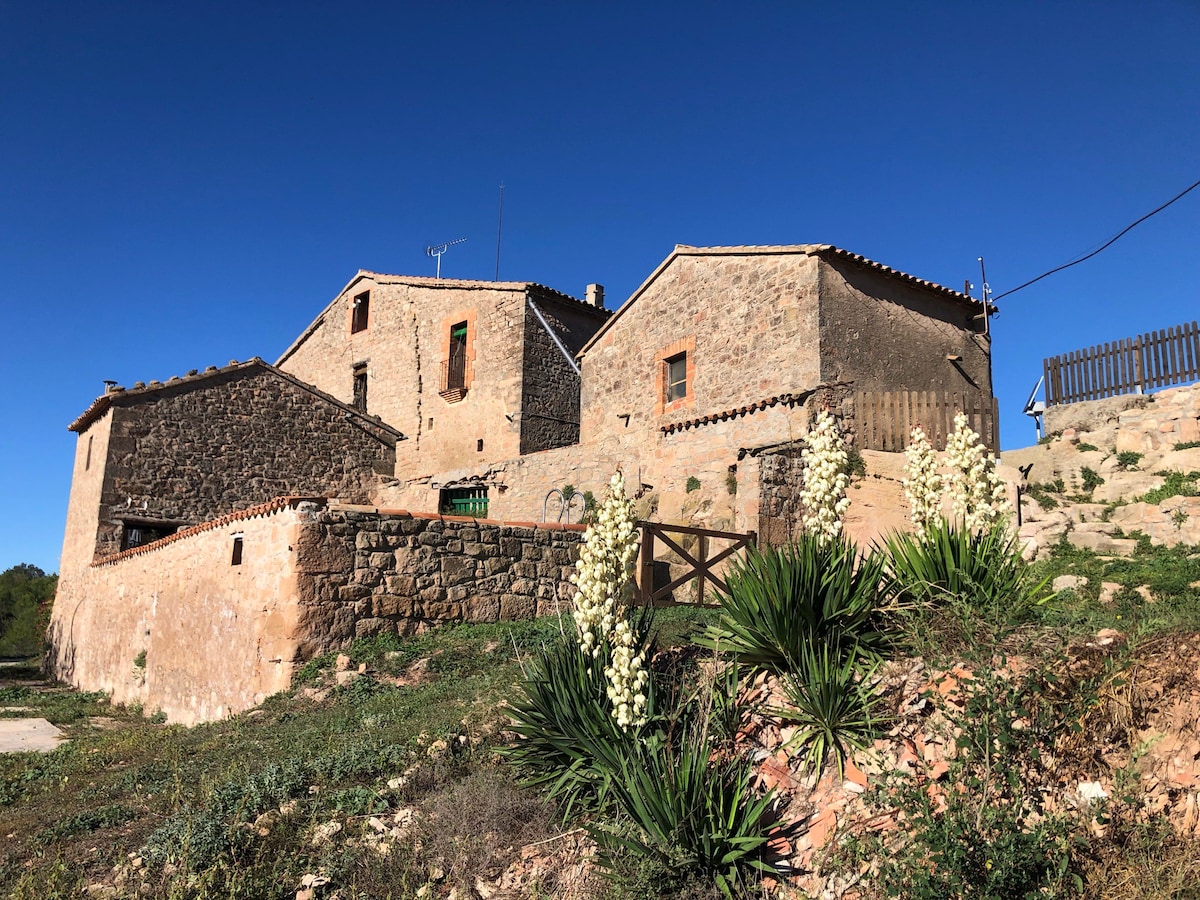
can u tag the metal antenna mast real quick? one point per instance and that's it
(437, 250)
(499, 230)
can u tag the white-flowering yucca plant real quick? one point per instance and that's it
(825, 479)
(603, 579)
(976, 490)
(922, 483)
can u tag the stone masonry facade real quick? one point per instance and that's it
(191, 450)
(409, 393)
(218, 630)
(519, 393)
(365, 572)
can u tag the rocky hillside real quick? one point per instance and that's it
(1110, 470)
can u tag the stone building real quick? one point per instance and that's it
(701, 385)
(160, 457)
(473, 372)
(724, 352)
(265, 513)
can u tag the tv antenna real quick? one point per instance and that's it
(437, 250)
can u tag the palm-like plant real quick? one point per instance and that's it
(568, 740)
(831, 702)
(783, 602)
(690, 812)
(947, 562)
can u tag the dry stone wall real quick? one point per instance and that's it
(193, 451)
(366, 572)
(550, 399)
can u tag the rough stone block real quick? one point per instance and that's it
(496, 565)
(401, 585)
(352, 592)
(391, 605)
(457, 569)
(513, 606)
(368, 540)
(482, 609)
(317, 552)
(364, 628)
(442, 611)
(1181, 460)
(1102, 543)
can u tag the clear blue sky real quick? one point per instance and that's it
(190, 183)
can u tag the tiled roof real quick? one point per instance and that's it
(273, 506)
(542, 291)
(737, 412)
(120, 394)
(262, 509)
(777, 250)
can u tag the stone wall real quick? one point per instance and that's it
(404, 349)
(217, 633)
(886, 335)
(365, 571)
(186, 453)
(781, 478)
(550, 400)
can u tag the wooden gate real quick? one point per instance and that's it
(699, 564)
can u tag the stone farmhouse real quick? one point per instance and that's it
(394, 467)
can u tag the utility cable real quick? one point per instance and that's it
(1124, 231)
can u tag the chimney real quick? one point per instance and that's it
(595, 295)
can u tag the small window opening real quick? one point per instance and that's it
(362, 312)
(456, 365)
(87, 463)
(676, 377)
(479, 445)
(468, 501)
(236, 558)
(138, 534)
(431, 423)
(360, 387)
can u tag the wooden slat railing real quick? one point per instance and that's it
(885, 419)
(1131, 365)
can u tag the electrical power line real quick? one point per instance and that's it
(1124, 231)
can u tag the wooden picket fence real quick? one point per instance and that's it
(885, 419)
(1131, 365)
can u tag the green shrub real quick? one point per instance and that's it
(1090, 480)
(855, 464)
(783, 602)
(983, 569)
(1176, 484)
(1085, 447)
(1186, 445)
(985, 830)
(831, 703)
(689, 812)
(1128, 459)
(693, 484)
(567, 739)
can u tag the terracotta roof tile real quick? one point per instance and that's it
(263, 509)
(736, 412)
(279, 503)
